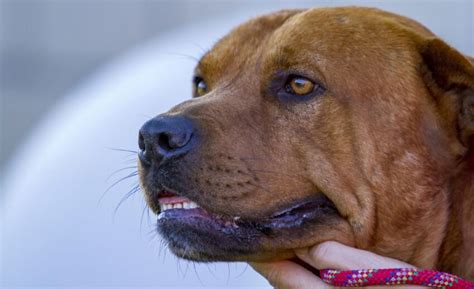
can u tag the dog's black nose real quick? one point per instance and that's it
(165, 137)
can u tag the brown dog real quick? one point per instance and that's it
(345, 124)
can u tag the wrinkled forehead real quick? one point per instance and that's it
(242, 45)
(345, 34)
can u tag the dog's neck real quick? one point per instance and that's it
(457, 250)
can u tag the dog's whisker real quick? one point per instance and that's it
(145, 207)
(159, 242)
(119, 170)
(203, 50)
(135, 184)
(186, 56)
(243, 271)
(187, 262)
(152, 233)
(116, 183)
(186, 269)
(164, 247)
(197, 274)
(132, 174)
(228, 275)
(154, 240)
(210, 271)
(130, 152)
(178, 266)
(148, 217)
(123, 150)
(165, 252)
(160, 249)
(131, 160)
(128, 195)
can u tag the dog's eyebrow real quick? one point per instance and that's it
(201, 59)
(282, 60)
(201, 65)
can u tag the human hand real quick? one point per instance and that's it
(327, 255)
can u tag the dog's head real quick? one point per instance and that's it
(305, 126)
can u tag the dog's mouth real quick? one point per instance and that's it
(196, 233)
(173, 206)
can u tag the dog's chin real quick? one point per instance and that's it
(196, 234)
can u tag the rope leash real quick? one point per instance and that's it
(403, 276)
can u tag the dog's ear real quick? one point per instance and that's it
(449, 76)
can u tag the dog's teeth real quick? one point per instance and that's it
(236, 218)
(183, 205)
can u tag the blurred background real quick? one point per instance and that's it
(69, 72)
(48, 47)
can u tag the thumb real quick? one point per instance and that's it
(288, 275)
(333, 255)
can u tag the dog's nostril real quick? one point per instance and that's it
(141, 141)
(164, 142)
(169, 141)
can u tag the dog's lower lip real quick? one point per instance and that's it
(292, 216)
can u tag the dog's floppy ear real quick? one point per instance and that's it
(450, 77)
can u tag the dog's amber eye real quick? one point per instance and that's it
(201, 87)
(299, 85)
